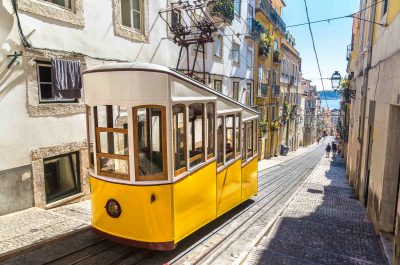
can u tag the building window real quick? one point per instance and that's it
(276, 45)
(196, 134)
(149, 142)
(179, 133)
(235, 53)
(230, 137)
(218, 85)
(112, 154)
(268, 76)
(131, 14)
(46, 94)
(63, 3)
(210, 130)
(249, 93)
(61, 176)
(235, 89)
(384, 7)
(249, 59)
(237, 4)
(218, 42)
(273, 113)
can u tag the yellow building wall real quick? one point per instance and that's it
(148, 222)
(194, 201)
(392, 13)
(229, 187)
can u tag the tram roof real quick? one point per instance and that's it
(148, 67)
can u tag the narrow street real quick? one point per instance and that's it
(220, 242)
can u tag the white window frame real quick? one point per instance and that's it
(249, 59)
(221, 41)
(54, 99)
(70, 5)
(237, 90)
(234, 50)
(140, 12)
(220, 83)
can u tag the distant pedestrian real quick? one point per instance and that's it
(328, 150)
(334, 149)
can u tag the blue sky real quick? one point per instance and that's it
(331, 39)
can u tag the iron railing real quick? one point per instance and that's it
(224, 8)
(276, 91)
(263, 90)
(266, 7)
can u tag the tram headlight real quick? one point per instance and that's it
(113, 208)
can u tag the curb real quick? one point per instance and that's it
(16, 252)
(270, 224)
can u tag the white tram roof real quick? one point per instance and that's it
(117, 78)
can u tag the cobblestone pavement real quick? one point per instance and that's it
(29, 227)
(323, 224)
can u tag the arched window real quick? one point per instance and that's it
(179, 135)
(196, 134)
(149, 142)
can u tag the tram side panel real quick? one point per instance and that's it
(229, 187)
(249, 179)
(194, 201)
(146, 211)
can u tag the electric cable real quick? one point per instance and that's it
(315, 51)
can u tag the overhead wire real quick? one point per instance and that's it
(315, 52)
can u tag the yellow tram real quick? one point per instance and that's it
(167, 154)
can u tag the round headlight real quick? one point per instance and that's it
(113, 208)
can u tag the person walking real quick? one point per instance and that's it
(328, 150)
(334, 149)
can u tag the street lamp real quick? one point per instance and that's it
(335, 79)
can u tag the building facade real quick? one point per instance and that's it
(289, 99)
(373, 159)
(312, 115)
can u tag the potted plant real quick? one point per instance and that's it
(265, 44)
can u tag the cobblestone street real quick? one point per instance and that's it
(323, 224)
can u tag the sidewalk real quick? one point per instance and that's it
(268, 163)
(34, 226)
(323, 224)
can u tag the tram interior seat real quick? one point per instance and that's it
(150, 163)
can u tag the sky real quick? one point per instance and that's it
(331, 38)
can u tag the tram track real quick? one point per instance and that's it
(210, 242)
(285, 175)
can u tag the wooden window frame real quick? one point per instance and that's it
(163, 144)
(237, 149)
(232, 154)
(210, 156)
(222, 163)
(99, 154)
(202, 155)
(184, 169)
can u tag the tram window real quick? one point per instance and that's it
(237, 134)
(220, 141)
(150, 147)
(210, 130)
(112, 141)
(196, 134)
(179, 121)
(249, 136)
(244, 137)
(255, 136)
(229, 134)
(90, 136)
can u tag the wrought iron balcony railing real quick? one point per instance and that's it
(276, 91)
(266, 7)
(349, 50)
(222, 10)
(277, 56)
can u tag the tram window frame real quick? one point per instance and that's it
(244, 141)
(183, 169)
(237, 134)
(231, 155)
(250, 149)
(163, 143)
(90, 136)
(255, 141)
(199, 158)
(210, 132)
(110, 130)
(220, 141)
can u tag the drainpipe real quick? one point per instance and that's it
(364, 94)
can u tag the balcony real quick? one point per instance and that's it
(277, 56)
(263, 51)
(254, 29)
(221, 11)
(349, 50)
(263, 90)
(266, 7)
